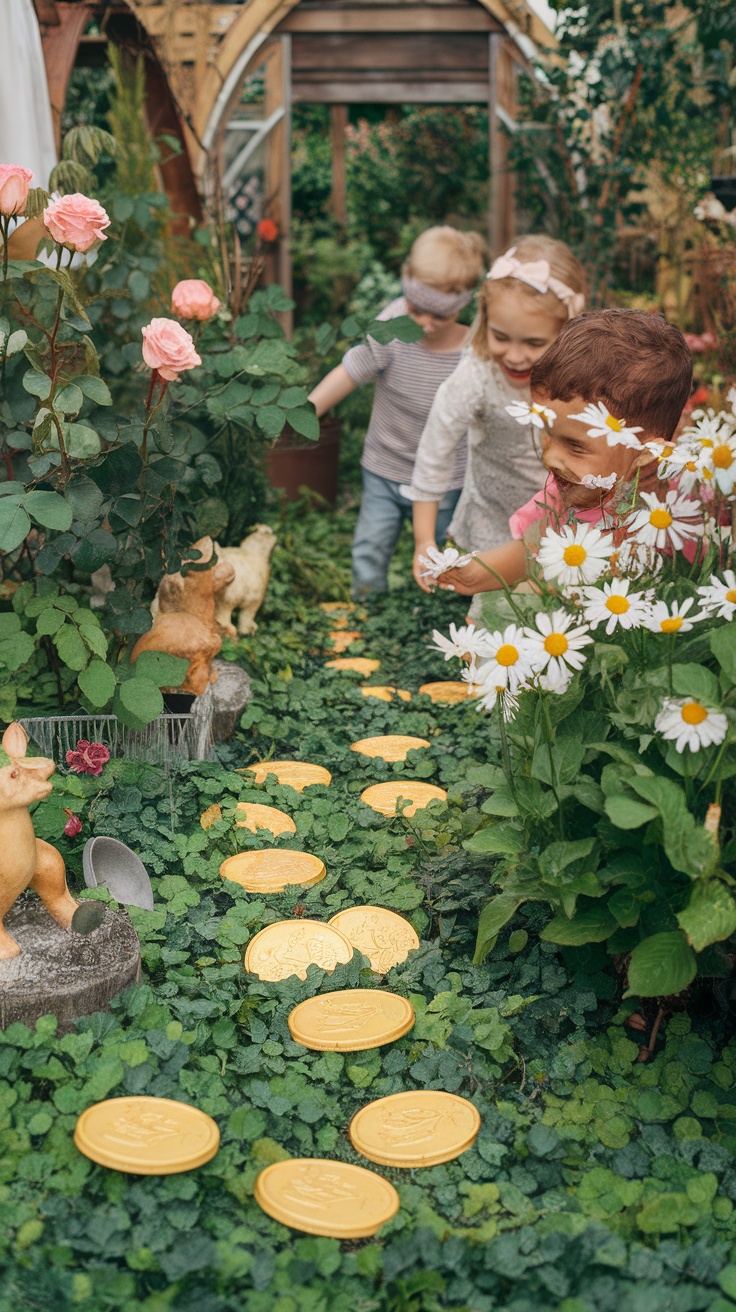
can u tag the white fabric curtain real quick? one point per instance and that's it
(26, 127)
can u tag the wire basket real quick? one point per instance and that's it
(167, 740)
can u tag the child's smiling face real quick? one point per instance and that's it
(569, 455)
(519, 333)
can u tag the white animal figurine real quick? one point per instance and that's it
(248, 588)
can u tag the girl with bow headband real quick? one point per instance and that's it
(529, 294)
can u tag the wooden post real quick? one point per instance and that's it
(339, 196)
(495, 150)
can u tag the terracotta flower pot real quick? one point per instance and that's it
(294, 462)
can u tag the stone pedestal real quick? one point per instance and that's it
(230, 693)
(62, 973)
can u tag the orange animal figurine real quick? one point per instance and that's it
(26, 861)
(184, 618)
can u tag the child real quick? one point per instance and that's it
(636, 370)
(529, 294)
(438, 280)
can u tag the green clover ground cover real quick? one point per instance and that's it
(596, 1183)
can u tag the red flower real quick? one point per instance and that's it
(73, 825)
(88, 758)
(698, 398)
(267, 230)
(698, 342)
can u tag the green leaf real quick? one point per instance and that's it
(70, 647)
(567, 758)
(97, 683)
(305, 422)
(96, 389)
(84, 497)
(710, 915)
(689, 847)
(69, 400)
(14, 523)
(293, 396)
(50, 621)
(161, 669)
(37, 384)
(626, 813)
(94, 550)
(338, 826)
(82, 442)
(495, 840)
(138, 701)
(493, 917)
(49, 509)
(591, 925)
(696, 681)
(16, 342)
(139, 285)
(661, 966)
(271, 420)
(723, 646)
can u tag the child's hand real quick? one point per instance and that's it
(419, 568)
(470, 579)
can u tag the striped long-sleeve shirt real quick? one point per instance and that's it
(407, 376)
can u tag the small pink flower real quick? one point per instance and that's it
(88, 758)
(193, 298)
(76, 221)
(73, 825)
(168, 348)
(267, 230)
(14, 183)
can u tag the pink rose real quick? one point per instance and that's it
(168, 348)
(73, 825)
(88, 758)
(76, 221)
(14, 182)
(194, 299)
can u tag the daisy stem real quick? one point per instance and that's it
(505, 753)
(716, 766)
(670, 657)
(552, 768)
(505, 587)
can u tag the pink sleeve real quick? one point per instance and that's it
(522, 520)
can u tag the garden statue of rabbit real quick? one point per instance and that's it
(245, 593)
(184, 618)
(27, 861)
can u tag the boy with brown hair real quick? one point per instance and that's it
(609, 390)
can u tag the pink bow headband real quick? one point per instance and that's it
(536, 274)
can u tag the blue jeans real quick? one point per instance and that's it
(382, 512)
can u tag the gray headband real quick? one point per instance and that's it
(429, 300)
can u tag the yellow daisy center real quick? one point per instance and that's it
(507, 654)
(694, 713)
(671, 624)
(691, 466)
(666, 452)
(705, 441)
(707, 473)
(574, 554)
(731, 596)
(617, 604)
(556, 644)
(660, 519)
(615, 424)
(723, 457)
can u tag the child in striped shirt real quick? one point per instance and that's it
(438, 279)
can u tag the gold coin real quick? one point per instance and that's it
(264, 817)
(385, 693)
(296, 774)
(422, 1128)
(341, 639)
(351, 1020)
(273, 869)
(321, 1197)
(449, 691)
(383, 937)
(360, 664)
(146, 1136)
(384, 797)
(289, 946)
(389, 746)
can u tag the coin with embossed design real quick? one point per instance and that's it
(288, 947)
(385, 692)
(256, 816)
(421, 1128)
(146, 1136)
(360, 664)
(384, 798)
(321, 1197)
(273, 869)
(450, 691)
(383, 937)
(389, 746)
(351, 1020)
(297, 774)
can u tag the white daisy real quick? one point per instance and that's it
(462, 640)
(507, 667)
(706, 428)
(718, 463)
(599, 480)
(539, 415)
(508, 702)
(668, 521)
(731, 398)
(611, 605)
(632, 559)
(603, 424)
(438, 562)
(555, 647)
(578, 554)
(672, 619)
(687, 723)
(719, 596)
